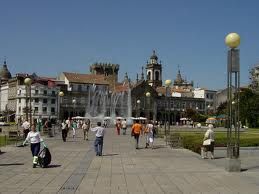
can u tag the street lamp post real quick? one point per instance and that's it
(74, 106)
(27, 82)
(148, 105)
(168, 97)
(60, 95)
(233, 164)
(138, 108)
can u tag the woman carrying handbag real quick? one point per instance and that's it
(208, 143)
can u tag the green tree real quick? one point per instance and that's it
(222, 109)
(249, 108)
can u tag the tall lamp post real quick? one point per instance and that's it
(138, 108)
(60, 95)
(167, 97)
(74, 106)
(27, 82)
(233, 163)
(148, 105)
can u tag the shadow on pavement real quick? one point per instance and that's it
(215, 158)
(250, 168)
(53, 166)
(158, 147)
(110, 154)
(2, 152)
(12, 164)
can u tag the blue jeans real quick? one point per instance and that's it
(98, 145)
(136, 136)
(35, 149)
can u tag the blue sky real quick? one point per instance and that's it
(51, 36)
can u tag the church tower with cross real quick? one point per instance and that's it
(154, 71)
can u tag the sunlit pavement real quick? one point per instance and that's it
(121, 169)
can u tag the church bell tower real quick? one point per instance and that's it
(154, 71)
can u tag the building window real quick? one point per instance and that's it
(36, 100)
(53, 93)
(36, 109)
(19, 109)
(79, 88)
(52, 110)
(36, 92)
(45, 92)
(53, 101)
(44, 109)
(45, 100)
(20, 100)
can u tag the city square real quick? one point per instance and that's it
(125, 111)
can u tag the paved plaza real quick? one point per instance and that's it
(123, 169)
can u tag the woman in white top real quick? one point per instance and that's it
(208, 143)
(149, 134)
(35, 139)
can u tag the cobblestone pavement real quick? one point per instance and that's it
(122, 169)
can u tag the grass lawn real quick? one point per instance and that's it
(2, 141)
(193, 140)
(8, 141)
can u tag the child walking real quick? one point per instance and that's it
(35, 139)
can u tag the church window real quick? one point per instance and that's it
(149, 75)
(157, 75)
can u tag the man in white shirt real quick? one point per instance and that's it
(98, 144)
(26, 128)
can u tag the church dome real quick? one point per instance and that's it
(5, 73)
(154, 56)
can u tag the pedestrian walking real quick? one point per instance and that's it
(48, 126)
(149, 132)
(74, 125)
(124, 126)
(68, 122)
(98, 144)
(105, 125)
(26, 128)
(118, 126)
(208, 143)
(136, 131)
(35, 139)
(64, 130)
(86, 127)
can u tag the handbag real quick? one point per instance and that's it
(207, 142)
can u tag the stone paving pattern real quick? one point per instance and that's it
(123, 169)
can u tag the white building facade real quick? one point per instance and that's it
(208, 95)
(44, 102)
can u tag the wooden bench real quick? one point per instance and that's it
(175, 141)
(14, 136)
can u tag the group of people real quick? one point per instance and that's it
(73, 125)
(149, 130)
(121, 125)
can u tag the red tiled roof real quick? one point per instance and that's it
(86, 78)
(121, 87)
